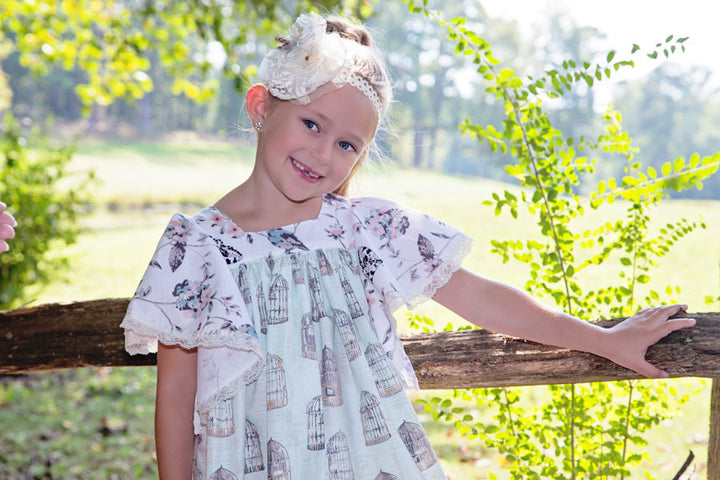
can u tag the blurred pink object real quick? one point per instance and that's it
(7, 224)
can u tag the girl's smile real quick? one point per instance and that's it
(305, 172)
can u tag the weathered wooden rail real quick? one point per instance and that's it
(84, 334)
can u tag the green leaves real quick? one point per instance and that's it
(116, 43)
(34, 179)
(586, 431)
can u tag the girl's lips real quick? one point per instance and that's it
(304, 171)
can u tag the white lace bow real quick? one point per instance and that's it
(311, 59)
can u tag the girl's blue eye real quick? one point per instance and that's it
(310, 124)
(347, 146)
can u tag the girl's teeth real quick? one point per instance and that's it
(304, 170)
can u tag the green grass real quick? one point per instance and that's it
(49, 423)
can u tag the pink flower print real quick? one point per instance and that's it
(396, 223)
(335, 232)
(192, 297)
(374, 224)
(233, 230)
(177, 230)
(216, 219)
(388, 225)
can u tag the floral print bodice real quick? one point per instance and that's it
(193, 295)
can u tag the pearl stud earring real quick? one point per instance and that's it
(258, 126)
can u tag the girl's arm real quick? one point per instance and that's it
(504, 309)
(174, 406)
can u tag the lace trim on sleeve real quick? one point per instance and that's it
(142, 340)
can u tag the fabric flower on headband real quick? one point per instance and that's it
(312, 58)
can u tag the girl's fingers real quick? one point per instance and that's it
(7, 219)
(651, 371)
(678, 323)
(6, 231)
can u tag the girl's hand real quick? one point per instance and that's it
(630, 339)
(7, 224)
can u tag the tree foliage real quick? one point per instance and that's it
(589, 431)
(114, 42)
(36, 184)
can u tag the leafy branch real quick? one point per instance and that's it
(587, 431)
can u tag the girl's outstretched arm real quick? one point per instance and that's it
(174, 405)
(504, 309)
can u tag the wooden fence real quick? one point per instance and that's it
(84, 334)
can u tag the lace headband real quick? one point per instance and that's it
(312, 59)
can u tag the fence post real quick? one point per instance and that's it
(713, 464)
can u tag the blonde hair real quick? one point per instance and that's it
(369, 64)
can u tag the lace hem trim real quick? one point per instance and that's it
(142, 340)
(230, 390)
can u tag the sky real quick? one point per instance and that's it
(644, 22)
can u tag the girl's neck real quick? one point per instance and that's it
(253, 210)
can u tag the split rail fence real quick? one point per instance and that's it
(86, 334)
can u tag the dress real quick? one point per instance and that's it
(300, 373)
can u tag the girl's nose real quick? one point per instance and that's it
(322, 152)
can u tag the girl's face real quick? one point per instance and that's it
(308, 150)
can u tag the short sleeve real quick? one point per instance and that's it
(188, 297)
(407, 254)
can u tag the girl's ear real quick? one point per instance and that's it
(257, 101)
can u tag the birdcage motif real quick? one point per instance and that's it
(222, 474)
(298, 277)
(276, 387)
(385, 476)
(347, 333)
(270, 261)
(316, 303)
(347, 258)
(278, 299)
(307, 329)
(243, 284)
(350, 298)
(375, 429)
(253, 451)
(262, 308)
(417, 444)
(315, 424)
(278, 461)
(330, 380)
(220, 419)
(338, 453)
(387, 379)
(323, 263)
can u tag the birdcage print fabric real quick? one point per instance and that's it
(313, 302)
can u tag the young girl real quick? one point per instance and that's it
(271, 310)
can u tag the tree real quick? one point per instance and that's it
(672, 110)
(592, 430)
(115, 42)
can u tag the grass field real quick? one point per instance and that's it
(100, 420)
